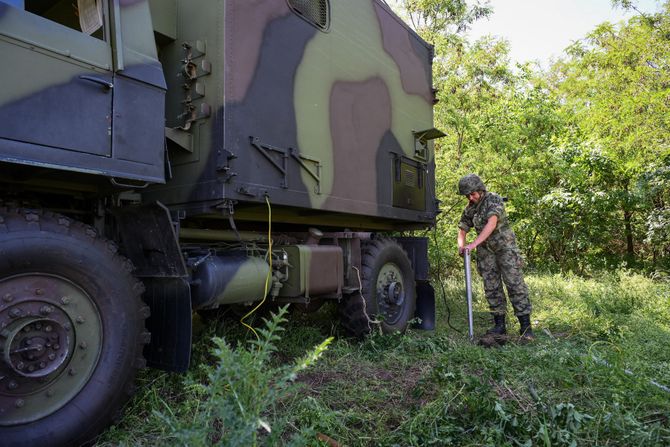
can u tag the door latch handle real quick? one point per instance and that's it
(105, 84)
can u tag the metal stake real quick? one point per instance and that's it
(468, 293)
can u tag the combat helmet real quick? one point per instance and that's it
(469, 184)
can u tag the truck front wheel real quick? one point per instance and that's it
(71, 330)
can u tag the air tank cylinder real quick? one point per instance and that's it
(228, 279)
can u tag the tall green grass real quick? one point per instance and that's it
(586, 380)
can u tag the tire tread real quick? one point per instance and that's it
(21, 220)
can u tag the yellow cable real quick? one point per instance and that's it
(267, 278)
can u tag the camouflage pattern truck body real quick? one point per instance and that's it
(168, 156)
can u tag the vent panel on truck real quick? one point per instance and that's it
(316, 12)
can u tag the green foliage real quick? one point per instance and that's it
(501, 125)
(655, 184)
(614, 87)
(443, 17)
(237, 402)
(581, 150)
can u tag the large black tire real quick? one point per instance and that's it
(388, 294)
(73, 333)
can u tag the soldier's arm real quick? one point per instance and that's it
(461, 240)
(464, 226)
(486, 232)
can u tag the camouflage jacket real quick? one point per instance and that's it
(476, 215)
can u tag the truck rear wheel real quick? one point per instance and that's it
(72, 330)
(388, 289)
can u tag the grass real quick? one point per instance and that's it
(569, 387)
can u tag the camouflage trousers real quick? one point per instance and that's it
(496, 267)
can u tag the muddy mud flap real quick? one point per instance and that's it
(149, 239)
(425, 306)
(169, 323)
(417, 251)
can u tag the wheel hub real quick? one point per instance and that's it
(35, 347)
(50, 341)
(394, 293)
(390, 292)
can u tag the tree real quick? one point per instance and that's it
(433, 18)
(499, 119)
(581, 151)
(616, 87)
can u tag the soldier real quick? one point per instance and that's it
(498, 258)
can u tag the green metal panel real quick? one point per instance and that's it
(262, 102)
(44, 74)
(54, 38)
(314, 270)
(296, 285)
(64, 107)
(164, 17)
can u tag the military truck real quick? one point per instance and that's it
(160, 157)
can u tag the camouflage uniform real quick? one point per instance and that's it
(498, 258)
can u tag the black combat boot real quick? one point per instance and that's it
(499, 328)
(526, 331)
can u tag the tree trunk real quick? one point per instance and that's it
(628, 229)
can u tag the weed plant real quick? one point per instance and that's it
(593, 377)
